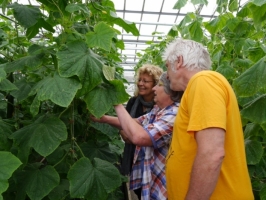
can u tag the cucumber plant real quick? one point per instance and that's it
(59, 63)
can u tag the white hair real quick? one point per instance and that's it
(195, 56)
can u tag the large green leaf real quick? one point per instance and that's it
(40, 182)
(77, 7)
(44, 135)
(221, 6)
(256, 53)
(34, 107)
(258, 2)
(26, 15)
(259, 14)
(109, 72)
(2, 74)
(126, 25)
(61, 191)
(77, 59)
(187, 19)
(251, 129)
(6, 85)
(254, 111)
(105, 95)
(233, 5)
(195, 2)
(243, 63)
(5, 131)
(34, 30)
(106, 129)
(23, 91)
(179, 4)
(263, 126)
(263, 192)
(98, 150)
(218, 23)
(217, 53)
(32, 61)
(260, 168)
(195, 30)
(244, 11)
(101, 37)
(226, 70)
(9, 163)
(93, 180)
(3, 103)
(252, 80)
(58, 89)
(254, 152)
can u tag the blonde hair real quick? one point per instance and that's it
(153, 70)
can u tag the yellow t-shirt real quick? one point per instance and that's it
(208, 101)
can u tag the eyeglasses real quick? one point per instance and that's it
(160, 83)
(144, 81)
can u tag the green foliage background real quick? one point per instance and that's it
(59, 63)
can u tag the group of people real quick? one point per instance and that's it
(182, 131)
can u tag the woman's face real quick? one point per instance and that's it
(145, 84)
(161, 98)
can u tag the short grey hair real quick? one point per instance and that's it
(175, 95)
(195, 56)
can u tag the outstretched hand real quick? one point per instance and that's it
(113, 121)
(100, 120)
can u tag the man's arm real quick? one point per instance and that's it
(207, 163)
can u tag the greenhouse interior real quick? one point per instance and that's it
(72, 127)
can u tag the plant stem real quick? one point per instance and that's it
(60, 160)
(79, 149)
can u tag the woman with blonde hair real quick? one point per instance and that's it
(141, 103)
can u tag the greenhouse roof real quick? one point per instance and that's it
(153, 16)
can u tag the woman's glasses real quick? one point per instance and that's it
(143, 81)
(160, 83)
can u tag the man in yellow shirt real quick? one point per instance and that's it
(206, 159)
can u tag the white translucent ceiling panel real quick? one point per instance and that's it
(32, 2)
(134, 5)
(150, 18)
(151, 6)
(128, 52)
(167, 19)
(129, 68)
(163, 30)
(133, 17)
(147, 29)
(209, 9)
(168, 7)
(119, 4)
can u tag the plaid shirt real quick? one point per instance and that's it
(148, 170)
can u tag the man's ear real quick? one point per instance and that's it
(179, 62)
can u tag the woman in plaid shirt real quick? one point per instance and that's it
(151, 133)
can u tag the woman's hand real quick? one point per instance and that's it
(113, 121)
(100, 120)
